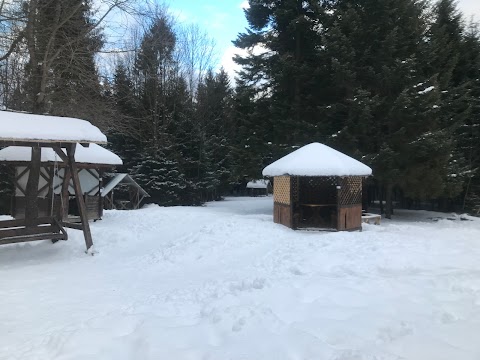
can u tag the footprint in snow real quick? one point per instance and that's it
(238, 326)
(296, 271)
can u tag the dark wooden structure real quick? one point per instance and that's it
(329, 202)
(37, 132)
(313, 189)
(134, 199)
(52, 175)
(259, 187)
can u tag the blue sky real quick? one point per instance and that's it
(223, 20)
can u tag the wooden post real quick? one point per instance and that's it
(79, 196)
(31, 196)
(339, 189)
(65, 193)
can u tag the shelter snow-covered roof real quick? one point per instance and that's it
(258, 184)
(121, 178)
(18, 126)
(317, 160)
(94, 154)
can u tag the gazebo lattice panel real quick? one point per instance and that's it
(351, 191)
(281, 190)
(318, 190)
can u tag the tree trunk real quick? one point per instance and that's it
(389, 201)
(381, 199)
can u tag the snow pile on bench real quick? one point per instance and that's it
(317, 160)
(18, 126)
(94, 154)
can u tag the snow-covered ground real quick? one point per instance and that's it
(224, 282)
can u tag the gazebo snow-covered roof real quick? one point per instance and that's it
(318, 187)
(258, 184)
(94, 154)
(44, 128)
(317, 160)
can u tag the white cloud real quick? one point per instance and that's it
(470, 8)
(227, 59)
(245, 5)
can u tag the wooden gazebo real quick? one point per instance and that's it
(258, 187)
(317, 187)
(92, 161)
(62, 135)
(136, 194)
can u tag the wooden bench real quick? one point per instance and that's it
(367, 217)
(14, 231)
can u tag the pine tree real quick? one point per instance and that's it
(213, 111)
(384, 103)
(446, 61)
(469, 133)
(285, 64)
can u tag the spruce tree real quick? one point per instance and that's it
(385, 104)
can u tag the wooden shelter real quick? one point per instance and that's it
(258, 187)
(62, 135)
(136, 193)
(317, 187)
(92, 163)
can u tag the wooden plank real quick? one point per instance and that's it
(65, 195)
(79, 196)
(21, 222)
(13, 240)
(282, 214)
(350, 217)
(46, 143)
(31, 199)
(71, 225)
(50, 229)
(30, 230)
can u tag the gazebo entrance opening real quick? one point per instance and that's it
(316, 206)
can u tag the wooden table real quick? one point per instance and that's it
(316, 210)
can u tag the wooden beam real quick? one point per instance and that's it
(20, 175)
(31, 199)
(46, 143)
(71, 225)
(58, 150)
(65, 195)
(79, 196)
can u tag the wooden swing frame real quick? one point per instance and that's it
(33, 227)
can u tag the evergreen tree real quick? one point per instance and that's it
(62, 40)
(213, 111)
(285, 64)
(446, 61)
(469, 132)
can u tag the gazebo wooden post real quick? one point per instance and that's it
(31, 196)
(339, 189)
(79, 196)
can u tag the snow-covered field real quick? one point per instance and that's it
(224, 282)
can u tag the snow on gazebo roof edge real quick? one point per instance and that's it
(19, 126)
(317, 159)
(94, 154)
